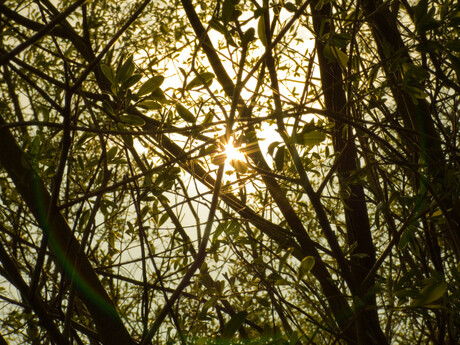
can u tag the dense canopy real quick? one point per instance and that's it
(229, 172)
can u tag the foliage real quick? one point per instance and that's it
(123, 222)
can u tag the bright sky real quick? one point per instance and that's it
(174, 77)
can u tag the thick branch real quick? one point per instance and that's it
(62, 241)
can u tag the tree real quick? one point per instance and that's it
(125, 219)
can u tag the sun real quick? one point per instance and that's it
(232, 153)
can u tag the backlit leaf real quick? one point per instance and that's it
(227, 10)
(335, 54)
(126, 70)
(430, 293)
(239, 166)
(108, 72)
(151, 85)
(261, 30)
(306, 265)
(290, 7)
(310, 138)
(185, 114)
(279, 159)
(204, 78)
(149, 104)
(132, 80)
(132, 120)
(234, 324)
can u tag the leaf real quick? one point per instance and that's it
(248, 36)
(227, 10)
(406, 237)
(109, 74)
(108, 108)
(159, 96)
(264, 302)
(279, 158)
(272, 147)
(218, 159)
(234, 324)
(127, 139)
(261, 30)
(132, 80)
(208, 118)
(455, 62)
(151, 85)
(149, 104)
(341, 40)
(290, 7)
(293, 338)
(185, 114)
(210, 303)
(319, 5)
(415, 73)
(214, 24)
(310, 138)
(126, 70)
(430, 293)
(335, 54)
(239, 166)
(132, 120)
(306, 265)
(204, 78)
(112, 153)
(415, 93)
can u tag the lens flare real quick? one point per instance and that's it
(232, 153)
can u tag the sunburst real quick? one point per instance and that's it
(232, 153)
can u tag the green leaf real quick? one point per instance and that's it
(227, 10)
(415, 92)
(264, 302)
(293, 338)
(209, 117)
(234, 324)
(185, 114)
(319, 5)
(210, 303)
(151, 85)
(406, 237)
(127, 138)
(214, 24)
(239, 166)
(341, 40)
(132, 120)
(109, 74)
(132, 80)
(290, 7)
(335, 54)
(455, 62)
(248, 36)
(430, 293)
(126, 70)
(149, 104)
(272, 146)
(112, 153)
(279, 158)
(108, 108)
(306, 265)
(261, 31)
(204, 78)
(415, 73)
(310, 138)
(159, 96)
